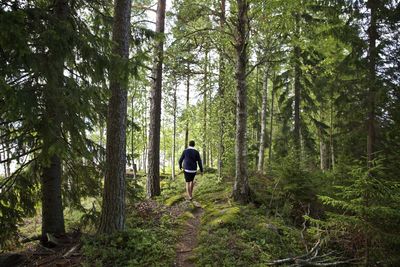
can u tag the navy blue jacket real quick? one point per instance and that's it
(190, 157)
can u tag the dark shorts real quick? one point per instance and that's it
(189, 177)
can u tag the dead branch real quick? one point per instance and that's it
(313, 259)
(71, 251)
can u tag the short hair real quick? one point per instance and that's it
(191, 143)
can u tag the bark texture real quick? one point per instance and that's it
(113, 207)
(153, 173)
(221, 92)
(241, 190)
(263, 130)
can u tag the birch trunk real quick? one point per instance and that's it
(261, 149)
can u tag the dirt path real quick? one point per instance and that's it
(188, 241)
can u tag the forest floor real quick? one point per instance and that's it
(171, 231)
(188, 241)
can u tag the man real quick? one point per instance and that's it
(190, 158)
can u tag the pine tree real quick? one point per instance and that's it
(113, 205)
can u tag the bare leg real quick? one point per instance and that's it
(191, 188)
(188, 187)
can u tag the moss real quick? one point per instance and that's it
(225, 216)
(173, 200)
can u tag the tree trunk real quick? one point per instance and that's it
(371, 137)
(372, 57)
(205, 110)
(271, 123)
(261, 149)
(221, 94)
(174, 133)
(113, 206)
(332, 152)
(101, 141)
(153, 174)
(187, 106)
(164, 146)
(52, 207)
(241, 190)
(297, 86)
(210, 113)
(322, 152)
(132, 141)
(144, 155)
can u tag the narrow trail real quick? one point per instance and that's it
(188, 240)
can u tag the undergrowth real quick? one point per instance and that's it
(237, 235)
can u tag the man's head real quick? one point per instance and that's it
(191, 143)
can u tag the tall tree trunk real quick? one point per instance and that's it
(153, 174)
(174, 133)
(144, 155)
(372, 87)
(205, 109)
(241, 189)
(271, 123)
(164, 146)
(52, 207)
(101, 141)
(372, 58)
(322, 151)
(261, 149)
(297, 86)
(221, 93)
(187, 106)
(113, 206)
(210, 140)
(132, 141)
(332, 152)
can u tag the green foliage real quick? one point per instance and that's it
(133, 247)
(15, 205)
(363, 205)
(293, 191)
(143, 243)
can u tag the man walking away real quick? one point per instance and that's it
(190, 158)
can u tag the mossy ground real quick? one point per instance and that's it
(229, 234)
(239, 235)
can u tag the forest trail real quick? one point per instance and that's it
(188, 240)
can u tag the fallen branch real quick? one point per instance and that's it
(30, 239)
(71, 251)
(301, 262)
(293, 259)
(313, 259)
